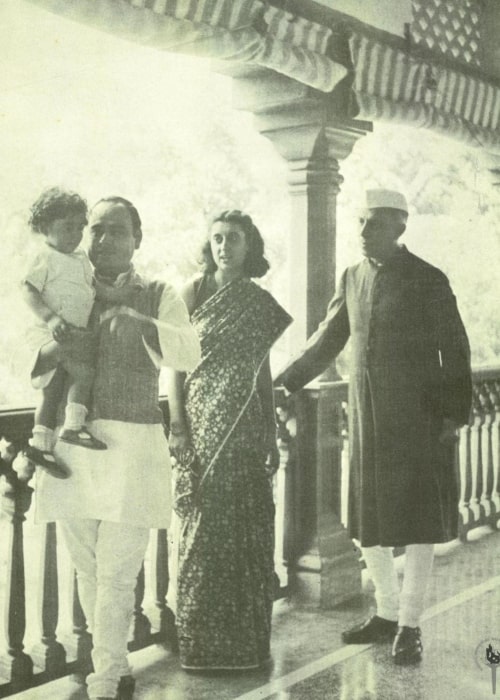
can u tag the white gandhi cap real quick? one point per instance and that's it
(382, 199)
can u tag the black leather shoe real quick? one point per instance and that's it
(375, 629)
(46, 461)
(407, 647)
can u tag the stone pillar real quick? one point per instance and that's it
(307, 132)
(328, 571)
(314, 183)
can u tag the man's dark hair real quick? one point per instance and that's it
(134, 214)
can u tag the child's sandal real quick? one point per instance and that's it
(46, 460)
(82, 438)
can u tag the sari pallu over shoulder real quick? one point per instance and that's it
(237, 327)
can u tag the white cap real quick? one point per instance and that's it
(390, 199)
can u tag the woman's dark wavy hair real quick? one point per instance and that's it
(54, 204)
(255, 264)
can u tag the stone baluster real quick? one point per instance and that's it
(164, 618)
(15, 496)
(495, 453)
(338, 555)
(476, 456)
(50, 655)
(345, 461)
(486, 502)
(305, 558)
(7, 455)
(465, 480)
(284, 524)
(141, 625)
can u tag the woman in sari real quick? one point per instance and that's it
(223, 435)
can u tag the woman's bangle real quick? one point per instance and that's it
(177, 429)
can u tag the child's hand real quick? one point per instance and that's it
(80, 345)
(115, 295)
(58, 327)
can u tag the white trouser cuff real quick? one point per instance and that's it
(380, 566)
(418, 567)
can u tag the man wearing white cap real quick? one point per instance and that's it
(409, 390)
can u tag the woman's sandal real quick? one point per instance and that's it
(82, 438)
(46, 460)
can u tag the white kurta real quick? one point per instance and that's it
(130, 482)
(64, 281)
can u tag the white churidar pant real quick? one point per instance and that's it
(107, 557)
(407, 607)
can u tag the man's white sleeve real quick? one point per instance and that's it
(179, 343)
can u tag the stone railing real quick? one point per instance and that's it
(49, 658)
(315, 559)
(479, 456)
(313, 482)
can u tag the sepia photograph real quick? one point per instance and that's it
(255, 454)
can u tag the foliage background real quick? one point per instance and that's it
(93, 113)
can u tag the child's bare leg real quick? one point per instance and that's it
(48, 358)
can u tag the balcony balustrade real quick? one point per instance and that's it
(310, 493)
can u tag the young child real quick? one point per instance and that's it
(58, 288)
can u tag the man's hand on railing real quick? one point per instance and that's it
(278, 385)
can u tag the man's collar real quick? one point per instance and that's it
(124, 277)
(130, 277)
(400, 250)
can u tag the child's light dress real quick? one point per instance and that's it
(64, 281)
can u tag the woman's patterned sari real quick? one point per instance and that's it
(225, 585)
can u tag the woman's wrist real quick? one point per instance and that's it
(178, 428)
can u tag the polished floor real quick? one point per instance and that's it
(311, 663)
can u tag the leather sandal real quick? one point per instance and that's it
(82, 438)
(46, 460)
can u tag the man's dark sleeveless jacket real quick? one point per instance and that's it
(410, 368)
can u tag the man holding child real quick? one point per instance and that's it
(113, 497)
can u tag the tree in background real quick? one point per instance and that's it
(454, 217)
(181, 168)
(179, 176)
